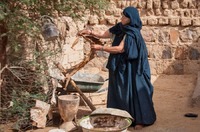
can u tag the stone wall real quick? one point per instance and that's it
(171, 30)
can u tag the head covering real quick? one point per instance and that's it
(133, 15)
(135, 22)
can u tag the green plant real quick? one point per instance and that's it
(21, 21)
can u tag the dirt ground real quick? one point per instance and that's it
(172, 99)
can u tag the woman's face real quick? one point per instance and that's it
(125, 20)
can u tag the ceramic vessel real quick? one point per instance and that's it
(68, 106)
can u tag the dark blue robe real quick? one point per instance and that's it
(129, 86)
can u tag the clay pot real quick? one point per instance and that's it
(68, 106)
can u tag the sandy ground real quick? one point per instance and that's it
(172, 99)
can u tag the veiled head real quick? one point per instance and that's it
(133, 14)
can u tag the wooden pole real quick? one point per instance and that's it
(92, 107)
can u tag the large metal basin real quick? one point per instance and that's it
(86, 126)
(106, 120)
(86, 82)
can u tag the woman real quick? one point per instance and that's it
(129, 85)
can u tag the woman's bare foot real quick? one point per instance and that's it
(138, 127)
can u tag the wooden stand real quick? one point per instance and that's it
(73, 70)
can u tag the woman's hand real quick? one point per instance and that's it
(85, 32)
(96, 47)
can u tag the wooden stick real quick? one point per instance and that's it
(82, 95)
(75, 42)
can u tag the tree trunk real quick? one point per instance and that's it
(3, 43)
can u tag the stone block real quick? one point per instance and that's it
(174, 36)
(163, 21)
(178, 68)
(196, 34)
(149, 35)
(156, 4)
(128, 3)
(117, 12)
(93, 20)
(156, 52)
(141, 4)
(174, 21)
(184, 3)
(192, 3)
(152, 21)
(101, 13)
(158, 12)
(119, 4)
(123, 4)
(181, 53)
(186, 35)
(195, 13)
(167, 53)
(165, 4)
(150, 12)
(174, 4)
(163, 36)
(134, 3)
(149, 4)
(167, 12)
(144, 21)
(196, 22)
(111, 9)
(194, 54)
(186, 13)
(186, 22)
